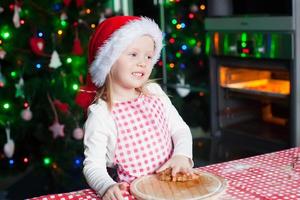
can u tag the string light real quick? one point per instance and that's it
(174, 35)
(59, 32)
(171, 65)
(184, 47)
(25, 12)
(75, 24)
(5, 35)
(88, 11)
(160, 63)
(11, 7)
(191, 15)
(77, 161)
(26, 104)
(25, 160)
(75, 87)
(54, 166)
(202, 7)
(178, 54)
(69, 60)
(93, 26)
(11, 162)
(38, 66)
(40, 34)
(172, 40)
(47, 161)
(57, 7)
(64, 23)
(6, 106)
(192, 42)
(22, 21)
(13, 74)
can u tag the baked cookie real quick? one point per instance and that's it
(166, 175)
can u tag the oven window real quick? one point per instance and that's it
(266, 82)
(254, 101)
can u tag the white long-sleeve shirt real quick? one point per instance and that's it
(101, 135)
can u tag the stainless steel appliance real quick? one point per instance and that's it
(255, 78)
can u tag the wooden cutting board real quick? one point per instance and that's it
(209, 186)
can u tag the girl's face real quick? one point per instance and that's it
(134, 66)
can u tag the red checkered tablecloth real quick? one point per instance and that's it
(264, 177)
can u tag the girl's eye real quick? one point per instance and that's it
(149, 57)
(133, 54)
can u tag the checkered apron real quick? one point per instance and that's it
(144, 141)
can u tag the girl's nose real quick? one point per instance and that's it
(142, 62)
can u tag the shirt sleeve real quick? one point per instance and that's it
(180, 132)
(95, 149)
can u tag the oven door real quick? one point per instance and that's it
(251, 106)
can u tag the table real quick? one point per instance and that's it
(272, 176)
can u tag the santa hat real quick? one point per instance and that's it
(110, 39)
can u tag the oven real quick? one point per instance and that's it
(253, 86)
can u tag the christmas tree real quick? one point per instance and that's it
(186, 69)
(43, 47)
(43, 62)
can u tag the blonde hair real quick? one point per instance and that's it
(104, 92)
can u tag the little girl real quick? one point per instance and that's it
(132, 124)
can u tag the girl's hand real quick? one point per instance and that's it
(178, 163)
(116, 191)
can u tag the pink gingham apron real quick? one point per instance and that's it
(144, 141)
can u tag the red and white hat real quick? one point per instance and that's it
(110, 39)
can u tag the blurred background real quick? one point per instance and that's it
(229, 68)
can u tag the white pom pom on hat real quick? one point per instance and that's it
(112, 37)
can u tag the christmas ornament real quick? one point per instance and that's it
(16, 16)
(1, 10)
(9, 146)
(2, 54)
(19, 88)
(55, 61)
(77, 49)
(63, 107)
(67, 2)
(78, 133)
(26, 114)
(63, 16)
(79, 3)
(182, 89)
(37, 45)
(57, 129)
